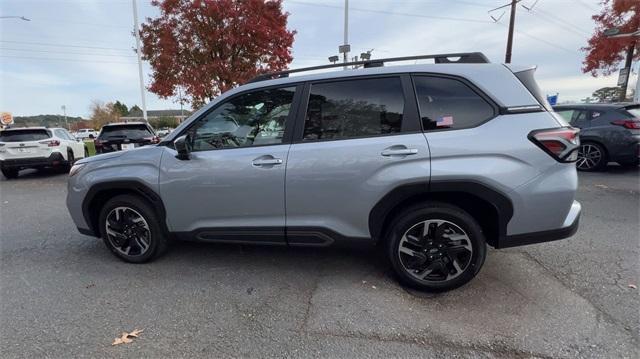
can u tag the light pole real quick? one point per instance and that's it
(137, 35)
(64, 112)
(15, 17)
(615, 33)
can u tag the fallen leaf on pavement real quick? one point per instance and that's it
(633, 286)
(124, 338)
(601, 186)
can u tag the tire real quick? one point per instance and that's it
(10, 173)
(148, 232)
(432, 267)
(591, 157)
(70, 161)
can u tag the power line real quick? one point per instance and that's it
(542, 40)
(70, 60)
(80, 23)
(65, 52)
(449, 18)
(563, 21)
(64, 45)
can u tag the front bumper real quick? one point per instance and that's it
(55, 159)
(568, 229)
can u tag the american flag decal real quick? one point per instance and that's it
(445, 121)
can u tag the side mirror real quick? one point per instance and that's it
(181, 145)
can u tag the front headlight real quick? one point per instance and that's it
(75, 169)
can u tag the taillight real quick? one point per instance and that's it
(561, 143)
(50, 143)
(97, 143)
(632, 124)
(154, 139)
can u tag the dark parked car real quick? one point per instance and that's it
(125, 136)
(608, 133)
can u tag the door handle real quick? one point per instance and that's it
(266, 161)
(399, 152)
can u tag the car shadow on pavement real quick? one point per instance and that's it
(35, 174)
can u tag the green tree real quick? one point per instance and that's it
(607, 94)
(135, 111)
(121, 108)
(163, 122)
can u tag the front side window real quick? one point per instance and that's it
(354, 108)
(447, 103)
(251, 119)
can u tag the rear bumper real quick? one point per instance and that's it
(55, 159)
(568, 229)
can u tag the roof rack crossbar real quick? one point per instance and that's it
(462, 58)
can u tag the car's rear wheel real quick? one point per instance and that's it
(131, 229)
(435, 247)
(10, 173)
(591, 157)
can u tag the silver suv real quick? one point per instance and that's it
(432, 162)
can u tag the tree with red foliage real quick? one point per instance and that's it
(207, 47)
(605, 54)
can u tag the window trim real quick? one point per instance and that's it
(410, 120)
(288, 124)
(464, 81)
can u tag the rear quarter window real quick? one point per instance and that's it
(24, 135)
(447, 103)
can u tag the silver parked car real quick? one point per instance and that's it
(432, 162)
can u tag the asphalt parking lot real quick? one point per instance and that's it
(63, 294)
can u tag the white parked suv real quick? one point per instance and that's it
(38, 147)
(84, 133)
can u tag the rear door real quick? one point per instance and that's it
(25, 143)
(232, 187)
(356, 139)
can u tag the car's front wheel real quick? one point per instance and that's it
(435, 247)
(131, 229)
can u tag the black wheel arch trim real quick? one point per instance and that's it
(136, 187)
(398, 195)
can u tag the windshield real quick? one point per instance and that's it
(125, 131)
(24, 135)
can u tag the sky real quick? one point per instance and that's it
(73, 52)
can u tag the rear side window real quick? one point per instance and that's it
(125, 131)
(447, 103)
(354, 108)
(23, 135)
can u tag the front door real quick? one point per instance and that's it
(232, 187)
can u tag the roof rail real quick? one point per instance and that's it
(463, 58)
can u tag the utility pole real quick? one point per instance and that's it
(615, 33)
(512, 20)
(627, 67)
(137, 35)
(346, 32)
(64, 111)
